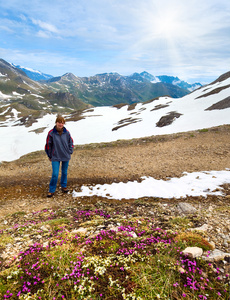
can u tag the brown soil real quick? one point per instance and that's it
(24, 182)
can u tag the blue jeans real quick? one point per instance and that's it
(55, 173)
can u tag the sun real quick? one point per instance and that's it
(165, 21)
(167, 28)
(167, 25)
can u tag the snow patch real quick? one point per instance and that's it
(190, 184)
(4, 96)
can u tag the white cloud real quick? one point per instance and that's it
(43, 34)
(46, 26)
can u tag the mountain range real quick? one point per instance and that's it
(113, 88)
(141, 77)
(67, 93)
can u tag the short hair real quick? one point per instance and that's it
(60, 119)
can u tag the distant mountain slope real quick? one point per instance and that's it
(166, 79)
(29, 98)
(113, 88)
(34, 74)
(13, 79)
(176, 81)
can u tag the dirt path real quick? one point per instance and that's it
(24, 183)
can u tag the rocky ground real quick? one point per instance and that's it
(24, 183)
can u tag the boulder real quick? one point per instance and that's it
(193, 252)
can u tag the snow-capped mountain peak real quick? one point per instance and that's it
(33, 74)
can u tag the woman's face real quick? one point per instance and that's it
(59, 125)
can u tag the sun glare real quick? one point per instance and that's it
(167, 25)
(165, 32)
(165, 22)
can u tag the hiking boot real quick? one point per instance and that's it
(49, 195)
(64, 190)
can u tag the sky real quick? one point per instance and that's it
(188, 39)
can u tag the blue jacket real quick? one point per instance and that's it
(59, 147)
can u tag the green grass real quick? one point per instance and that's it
(155, 280)
(180, 222)
(203, 130)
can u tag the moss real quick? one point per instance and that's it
(203, 130)
(191, 239)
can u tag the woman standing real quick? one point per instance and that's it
(59, 147)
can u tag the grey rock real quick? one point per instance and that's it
(204, 227)
(186, 208)
(216, 255)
